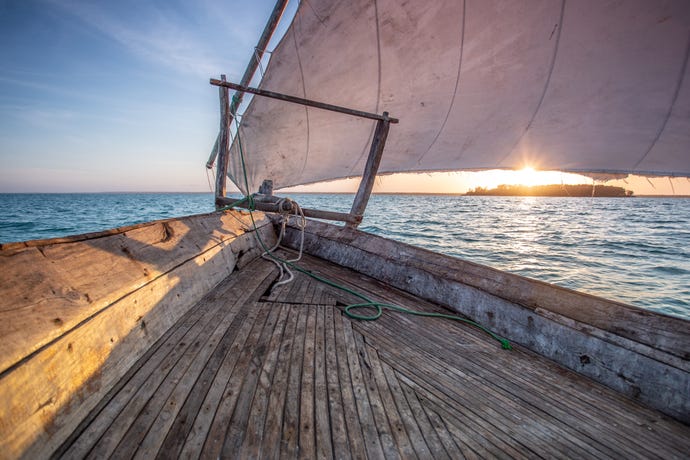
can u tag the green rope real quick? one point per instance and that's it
(368, 303)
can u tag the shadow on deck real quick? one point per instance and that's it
(254, 373)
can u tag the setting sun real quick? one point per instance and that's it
(528, 176)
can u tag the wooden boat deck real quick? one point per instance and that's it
(256, 374)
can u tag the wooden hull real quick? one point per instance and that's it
(82, 316)
(640, 353)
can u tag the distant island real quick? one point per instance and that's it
(553, 190)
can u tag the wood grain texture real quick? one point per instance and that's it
(297, 379)
(643, 354)
(76, 315)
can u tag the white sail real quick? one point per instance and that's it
(581, 86)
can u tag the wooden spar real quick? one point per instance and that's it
(223, 143)
(314, 213)
(302, 101)
(249, 72)
(375, 153)
(370, 170)
(354, 218)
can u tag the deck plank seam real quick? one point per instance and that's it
(237, 430)
(490, 417)
(520, 393)
(398, 429)
(289, 443)
(262, 393)
(227, 367)
(172, 358)
(198, 353)
(217, 431)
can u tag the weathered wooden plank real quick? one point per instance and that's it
(340, 443)
(79, 355)
(146, 435)
(196, 438)
(162, 357)
(300, 295)
(443, 434)
(223, 144)
(253, 440)
(415, 434)
(185, 419)
(225, 410)
(439, 334)
(366, 417)
(158, 429)
(302, 101)
(509, 428)
(181, 423)
(355, 435)
(383, 428)
(476, 446)
(366, 185)
(307, 431)
(654, 373)
(536, 404)
(132, 424)
(47, 290)
(432, 440)
(491, 408)
(78, 444)
(508, 375)
(322, 417)
(112, 405)
(277, 399)
(292, 289)
(376, 376)
(238, 425)
(289, 444)
(307, 381)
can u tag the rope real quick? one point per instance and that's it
(283, 265)
(287, 264)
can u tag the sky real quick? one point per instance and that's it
(115, 95)
(99, 96)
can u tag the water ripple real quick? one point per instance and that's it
(631, 250)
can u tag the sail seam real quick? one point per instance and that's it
(679, 85)
(546, 86)
(457, 84)
(378, 88)
(304, 93)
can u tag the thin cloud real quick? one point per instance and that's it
(152, 33)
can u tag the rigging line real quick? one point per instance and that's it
(554, 55)
(209, 173)
(258, 61)
(457, 84)
(679, 84)
(365, 149)
(304, 93)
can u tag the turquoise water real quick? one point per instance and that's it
(634, 250)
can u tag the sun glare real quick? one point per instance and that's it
(528, 176)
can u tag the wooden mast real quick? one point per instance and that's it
(221, 148)
(223, 142)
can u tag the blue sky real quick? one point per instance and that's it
(114, 95)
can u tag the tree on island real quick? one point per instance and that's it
(560, 190)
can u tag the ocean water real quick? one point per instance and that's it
(635, 250)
